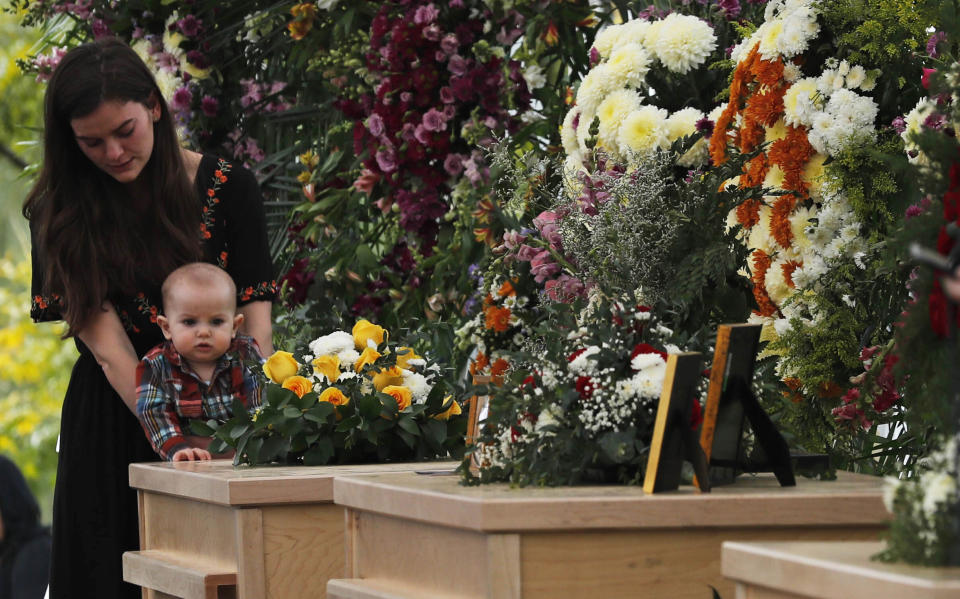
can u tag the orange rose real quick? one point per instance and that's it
(334, 396)
(369, 356)
(387, 377)
(298, 384)
(453, 410)
(403, 396)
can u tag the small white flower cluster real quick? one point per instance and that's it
(629, 128)
(338, 343)
(787, 29)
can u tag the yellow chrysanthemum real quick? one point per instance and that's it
(611, 114)
(643, 130)
(629, 63)
(813, 173)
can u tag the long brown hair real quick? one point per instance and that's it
(93, 240)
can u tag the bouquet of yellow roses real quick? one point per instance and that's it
(354, 397)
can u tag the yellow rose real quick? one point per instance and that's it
(280, 366)
(453, 410)
(403, 359)
(403, 396)
(334, 396)
(369, 356)
(298, 384)
(387, 377)
(365, 331)
(328, 366)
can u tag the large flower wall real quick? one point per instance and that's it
(483, 164)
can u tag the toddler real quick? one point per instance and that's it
(199, 370)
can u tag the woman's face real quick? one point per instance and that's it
(118, 137)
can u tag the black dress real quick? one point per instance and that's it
(94, 509)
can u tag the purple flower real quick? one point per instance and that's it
(425, 14)
(730, 8)
(449, 44)
(899, 124)
(542, 267)
(386, 160)
(564, 288)
(453, 164)
(209, 105)
(594, 56)
(512, 239)
(457, 65)
(100, 29)
(456, 3)
(506, 37)
(406, 97)
(526, 253)
(913, 211)
(449, 111)
(433, 120)
(704, 126)
(182, 99)
(932, 43)
(197, 58)
(251, 92)
(190, 25)
(375, 125)
(422, 135)
(934, 121)
(432, 32)
(446, 95)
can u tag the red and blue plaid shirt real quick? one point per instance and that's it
(169, 392)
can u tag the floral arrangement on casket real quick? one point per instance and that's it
(356, 397)
(580, 404)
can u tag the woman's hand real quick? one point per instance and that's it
(114, 352)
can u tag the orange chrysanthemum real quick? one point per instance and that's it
(788, 268)
(754, 171)
(748, 213)
(761, 264)
(780, 227)
(498, 319)
(792, 154)
(506, 289)
(479, 364)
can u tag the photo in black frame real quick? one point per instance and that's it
(674, 441)
(731, 402)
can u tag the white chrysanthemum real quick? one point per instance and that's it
(582, 365)
(633, 32)
(716, 112)
(334, 343)
(642, 361)
(856, 77)
(651, 34)
(683, 42)
(568, 134)
(914, 122)
(644, 130)
(606, 39)
(168, 83)
(611, 113)
(534, 76)
(769, 34)
(799, 221)
(890, 486)
(800, 102)
(814, 173)
(418, 385)
(649, 381)
(776, 282)
(596, 84)
(347, 375)
(791, 72)
(142, 47)
(938, 489)
(760, 238)
(629, 63)
(793, 39)
(171, 43)
(348, 357)
(683, 123)
(549, 416)
(774, 179)
(739, 51)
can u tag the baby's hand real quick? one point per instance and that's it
(190, 454)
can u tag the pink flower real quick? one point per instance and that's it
(925, 80)
(190, 25)
(425, 14)
(386, 160)
(542, 267)
(457, 65)
(513, 239)
(366, 181)
(446, 95)
(406, 97)
(527, 253)
(453, 164)
(422, 134)
(209, 105)
(449, 44)
(449, 111)
(433, 120)
(432, 32)
(375, 125)
(251, 92)
(564, 288)
(181, 99)
(100, 29)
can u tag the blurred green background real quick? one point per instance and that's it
(34, 363)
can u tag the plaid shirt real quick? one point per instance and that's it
(169, 393)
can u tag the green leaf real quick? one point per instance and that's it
(274, 448)
(409, 439)
(407, 424)
(291, 412)
(435, 431)
(320, 453)
(349, 423)
(239, 429)
(198, 427)
(369, 406)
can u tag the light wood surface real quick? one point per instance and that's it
(831, 570)
(371, 589)
(217, 481)
(753, 501)
(176, 575)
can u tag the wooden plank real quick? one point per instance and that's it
(503, 567)
(372, 589)
(170, 573)
(251, 582)
(752, 501)
(350, 519)
(302, 549)
(191, 529)
(832, 571)
(219, 482)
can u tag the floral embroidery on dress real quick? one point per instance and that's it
(219, 178)
(222, 260)
(146, 308)
(262, 289)
(127, 322)
(41, 302)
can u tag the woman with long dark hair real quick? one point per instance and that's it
(24, 544)
(117, 206)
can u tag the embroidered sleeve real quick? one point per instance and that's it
(44, 307)
(156, 408)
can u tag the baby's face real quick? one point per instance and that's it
(200, 322)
